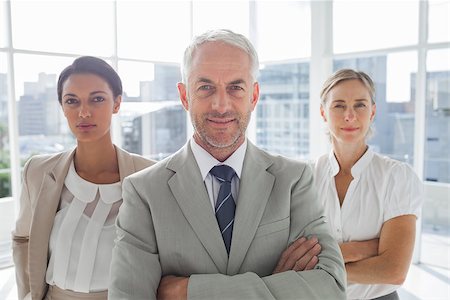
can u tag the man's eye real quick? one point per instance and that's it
(360, 105)
(236, 88)
(339, 106)
(205, 88)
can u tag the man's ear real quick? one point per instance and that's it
(182, 91)
(255, 95)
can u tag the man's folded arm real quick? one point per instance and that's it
(135, 268)
(326, 281)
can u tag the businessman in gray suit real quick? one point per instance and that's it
(221, 218)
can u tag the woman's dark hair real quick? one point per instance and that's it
(91, 65)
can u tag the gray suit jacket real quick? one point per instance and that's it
(43, 180)
(166, 226)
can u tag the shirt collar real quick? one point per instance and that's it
(357, 168)
(86, 191)
(206, 161)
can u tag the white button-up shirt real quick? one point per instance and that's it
(206, 162)
(381, 189)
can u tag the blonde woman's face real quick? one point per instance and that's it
(348, 112)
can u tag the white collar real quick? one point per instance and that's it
(357, 168)
(206, 161)
(86, 191)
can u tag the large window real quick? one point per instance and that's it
(64, 26)
(218, 14)
(436, 209)
(368, 25)
(282, 114)
(439, 21)
(153, 30)
(153, 122)
(291, 32)
(3, 27)
(5, 173)
(436, 170)
(437, 134)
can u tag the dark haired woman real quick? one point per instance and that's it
(65, 232)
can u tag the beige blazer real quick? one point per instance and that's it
(43, 180)
(167, 226)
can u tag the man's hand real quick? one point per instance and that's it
(299, 256)
(173, 287)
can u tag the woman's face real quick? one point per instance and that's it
(88, 104)
(348, 111)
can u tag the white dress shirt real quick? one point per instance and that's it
(206, 162)
(83, 235)
(381, 189)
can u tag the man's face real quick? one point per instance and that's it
(220, 95)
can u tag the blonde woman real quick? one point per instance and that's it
(371, 201)
(65, 232)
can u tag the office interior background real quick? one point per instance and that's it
(403, 45)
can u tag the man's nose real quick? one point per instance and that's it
(221, 101)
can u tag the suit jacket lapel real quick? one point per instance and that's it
(126, 163)
(189, 190)
(46, 206)
(255, 188)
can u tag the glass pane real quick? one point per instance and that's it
(439, 21)
(435, 212)
(367, 25)
(156, 30)
(5, 173)
(437, 154)
(273, 19)
(3, 40)
(153, 121)
(233, 15)
(7, 205)
(77, 27)
(394, 76)
(42, 125)
(282, 114)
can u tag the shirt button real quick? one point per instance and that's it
(338, 230)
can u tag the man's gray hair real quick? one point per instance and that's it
(225, 36)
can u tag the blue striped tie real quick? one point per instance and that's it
(225, 205)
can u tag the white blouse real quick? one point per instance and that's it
(381, 189)
(83, 234)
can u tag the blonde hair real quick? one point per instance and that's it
(347, 74)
